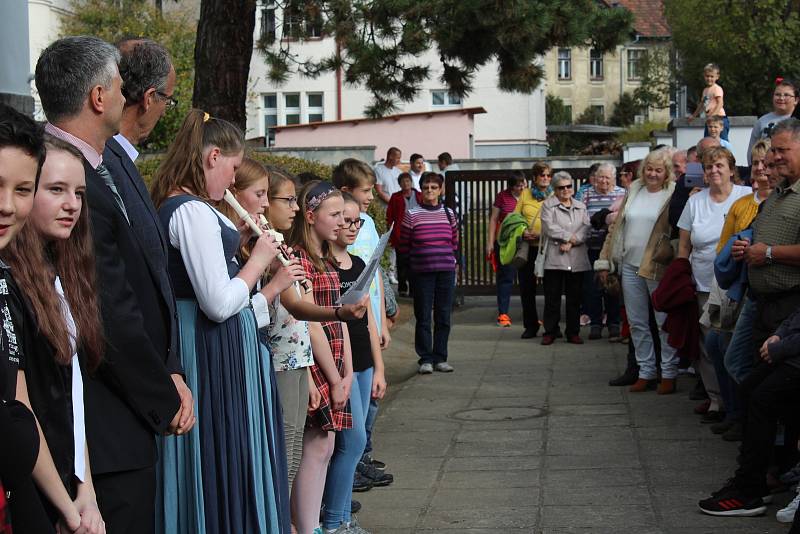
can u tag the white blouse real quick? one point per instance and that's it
(194, 230)
(78, 424)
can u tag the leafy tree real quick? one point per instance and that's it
(656, 81)
(752, 41)
(590, 115)
(625, 111)
(137, 18)
(556, 112)
(379, 43)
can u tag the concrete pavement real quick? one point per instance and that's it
(525, 438)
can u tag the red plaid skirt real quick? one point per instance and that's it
(326, 293)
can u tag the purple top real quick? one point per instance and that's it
(429, 236)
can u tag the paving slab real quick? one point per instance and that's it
(529, 439)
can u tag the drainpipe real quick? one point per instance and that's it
(338, 84)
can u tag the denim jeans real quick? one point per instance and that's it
(596, 300)
(433, 292)
(716, 344)
(637, 291)
(372, 415)
(347, 453)
(505, 282)
(739, 356)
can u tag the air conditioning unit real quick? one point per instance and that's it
(638, 119)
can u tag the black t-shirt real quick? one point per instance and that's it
(358, 328)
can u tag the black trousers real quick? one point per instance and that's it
(127, 500)
(527, 291)
(770, 391)
(569, 284)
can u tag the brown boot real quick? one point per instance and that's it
(666, 386)
(641, 385)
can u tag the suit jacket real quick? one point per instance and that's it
(132, 396)
(147, 227)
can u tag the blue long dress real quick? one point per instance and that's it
(229, 473)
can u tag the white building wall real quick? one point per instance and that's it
(514, 124)
(44, 25)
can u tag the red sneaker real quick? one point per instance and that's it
(503, 320)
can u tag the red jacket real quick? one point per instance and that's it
(395, 212)
(676, 296)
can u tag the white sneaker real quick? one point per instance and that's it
(426, 369)
(444, 367)
(786, 515)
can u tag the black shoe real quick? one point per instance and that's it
(377, 464)
(713, 416)
(628, 378)
(361, 483)
(734, 433)
(528, 333)
(378, 478)
(724, 426)
(699, 392)
(355, 507)
(613, 334)
(595, 332)
(732, 502)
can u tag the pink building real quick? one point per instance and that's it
(428, 133)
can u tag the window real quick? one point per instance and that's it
(315, 109)
(270, 117)
(291, 104)
(302, 19)
(599, 114)
(441, 98)
(595, 64)
(268, 24)
(635, 58)
(564, 64)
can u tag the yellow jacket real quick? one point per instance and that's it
(531, 209)
(741, 214)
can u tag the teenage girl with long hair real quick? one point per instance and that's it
(319, 220)
(225, 477)
(53, 264)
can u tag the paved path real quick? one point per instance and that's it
(525, 438)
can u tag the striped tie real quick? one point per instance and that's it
(106, 176)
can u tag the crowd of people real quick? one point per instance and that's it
(698, 274)
(176, 358)
(175, 354)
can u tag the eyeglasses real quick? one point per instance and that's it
(170, 101)
(545, 174)
(430, 187)
(784, 95)
(562, 187)
(353, 224)
(289, 200)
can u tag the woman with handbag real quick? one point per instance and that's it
(504, 203)
(530, 206)
(638, 249)
(565, 225)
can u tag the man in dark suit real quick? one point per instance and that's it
(148, 79)
(133, 396)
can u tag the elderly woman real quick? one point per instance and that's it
(429, 236)
(504, 203)
(700, 227)
(530, 206)
(565, 225)
(600, 197)
(638, 248)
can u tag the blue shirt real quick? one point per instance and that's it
(364, 246)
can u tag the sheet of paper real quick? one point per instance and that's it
(361, 285)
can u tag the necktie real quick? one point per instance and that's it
(106, 176)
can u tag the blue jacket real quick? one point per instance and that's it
(732, 274)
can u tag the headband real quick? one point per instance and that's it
(317, 195)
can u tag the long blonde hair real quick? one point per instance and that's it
(182, 167)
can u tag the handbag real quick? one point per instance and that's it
(521, 255)
(538, 265)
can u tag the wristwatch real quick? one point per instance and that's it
(769, 255)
